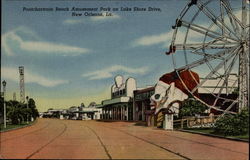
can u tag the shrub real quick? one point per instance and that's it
(232, 125)
(190, 107)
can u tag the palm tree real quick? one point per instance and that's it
(18, 112)
(15, 112)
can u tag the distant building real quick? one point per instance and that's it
(74, 113)
(51, 113)
(92, 112)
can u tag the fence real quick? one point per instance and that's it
(195, 122)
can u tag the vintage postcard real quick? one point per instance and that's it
(125, 79)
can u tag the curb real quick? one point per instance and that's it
(19, 127)
(216, 136)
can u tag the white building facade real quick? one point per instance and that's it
(120, 106)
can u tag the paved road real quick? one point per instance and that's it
(68, 139)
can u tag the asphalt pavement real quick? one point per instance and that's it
(72, 139)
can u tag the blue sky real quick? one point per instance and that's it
(69, 60)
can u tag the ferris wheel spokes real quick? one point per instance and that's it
(208, 58)
(216, 20)
(195, 47)
(208, 45)
(234, 21)
(225, 82)
(205, 31)
(215, 70)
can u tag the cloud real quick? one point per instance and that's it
(12, 40)
(12, 74)
(165, 38)
(108, 72)
(105, 17)
(47, 47)
(93, 19)
(153, 39)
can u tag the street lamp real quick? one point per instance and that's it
(4, 105)
(27, 98)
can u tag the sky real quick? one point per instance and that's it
(69, 60)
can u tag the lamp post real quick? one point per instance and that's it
(27, 98)
(4, 105)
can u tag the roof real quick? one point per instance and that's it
(116, 100)
(188, 77)
(145, 90)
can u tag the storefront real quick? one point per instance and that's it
(143, 111)
(118, 109)
(142, 103)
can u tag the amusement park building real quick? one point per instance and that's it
(142, 103)
(215, 86)
(120, 106)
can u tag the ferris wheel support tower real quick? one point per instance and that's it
(244, 63)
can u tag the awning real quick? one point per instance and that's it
(116, 100)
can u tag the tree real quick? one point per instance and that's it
(190, 107)
(18, 112)
(82, 105)
(32, 106)
(15, 111)
(231, 125)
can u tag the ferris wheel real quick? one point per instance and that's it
(211, 38)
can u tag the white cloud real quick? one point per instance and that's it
(153, 39)
(52, 48)
(108, 72)
(92, 18)
(11, 39)
(5, 45)
(165, 39)
(12, 74)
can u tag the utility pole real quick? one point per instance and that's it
(4, 104)
(27, 98)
